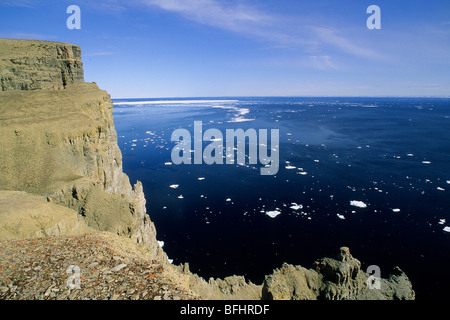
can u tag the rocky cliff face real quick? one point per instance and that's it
(33, 65)
(62, 144)
(61, 173)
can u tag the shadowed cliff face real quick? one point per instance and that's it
(39, 65)
(58, 150)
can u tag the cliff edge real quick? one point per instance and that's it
(62, 176)
(58, 141)
(39, 65)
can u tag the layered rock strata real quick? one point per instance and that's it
(33, 65)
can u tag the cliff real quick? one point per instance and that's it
(62, 175)
(62, 144)
(32, 65)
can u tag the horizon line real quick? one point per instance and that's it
(287, 96)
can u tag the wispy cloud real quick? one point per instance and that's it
(223, 14)
(251, 21)
(322, 62)
(331, 36)
(20, 3)
(231, 16)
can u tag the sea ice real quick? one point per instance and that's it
(396, 210)
(161, 243)
(172, 102)
(201, 178)
(359, 204)
(240, 119)
(228, 199)
(340, 216)
(446, 229)
(441, 221)
(296, 206)
(303, 173)
(273, 213)
(290, 167)
(426, 162)
(167, 163)
(174, 186)
(180, 196)
(441, 189)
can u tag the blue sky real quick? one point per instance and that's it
(193, 48)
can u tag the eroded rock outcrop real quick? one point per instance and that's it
(328, 279)
(335, 279)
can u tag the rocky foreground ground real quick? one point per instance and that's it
(43, 268)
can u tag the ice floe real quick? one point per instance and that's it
(396, 210)
(201, 178)
(180, 196)
(357, 203)
(440, 189)
(174, 186)
(426, 162)
(446, 229)
(228, 199)
(161, 243)
(273, 213)
(340, 216)
(240, 119)
(441, 221)
(290, 167)
(167, 163)
(295, 206)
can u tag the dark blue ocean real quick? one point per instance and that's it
(389, 156)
